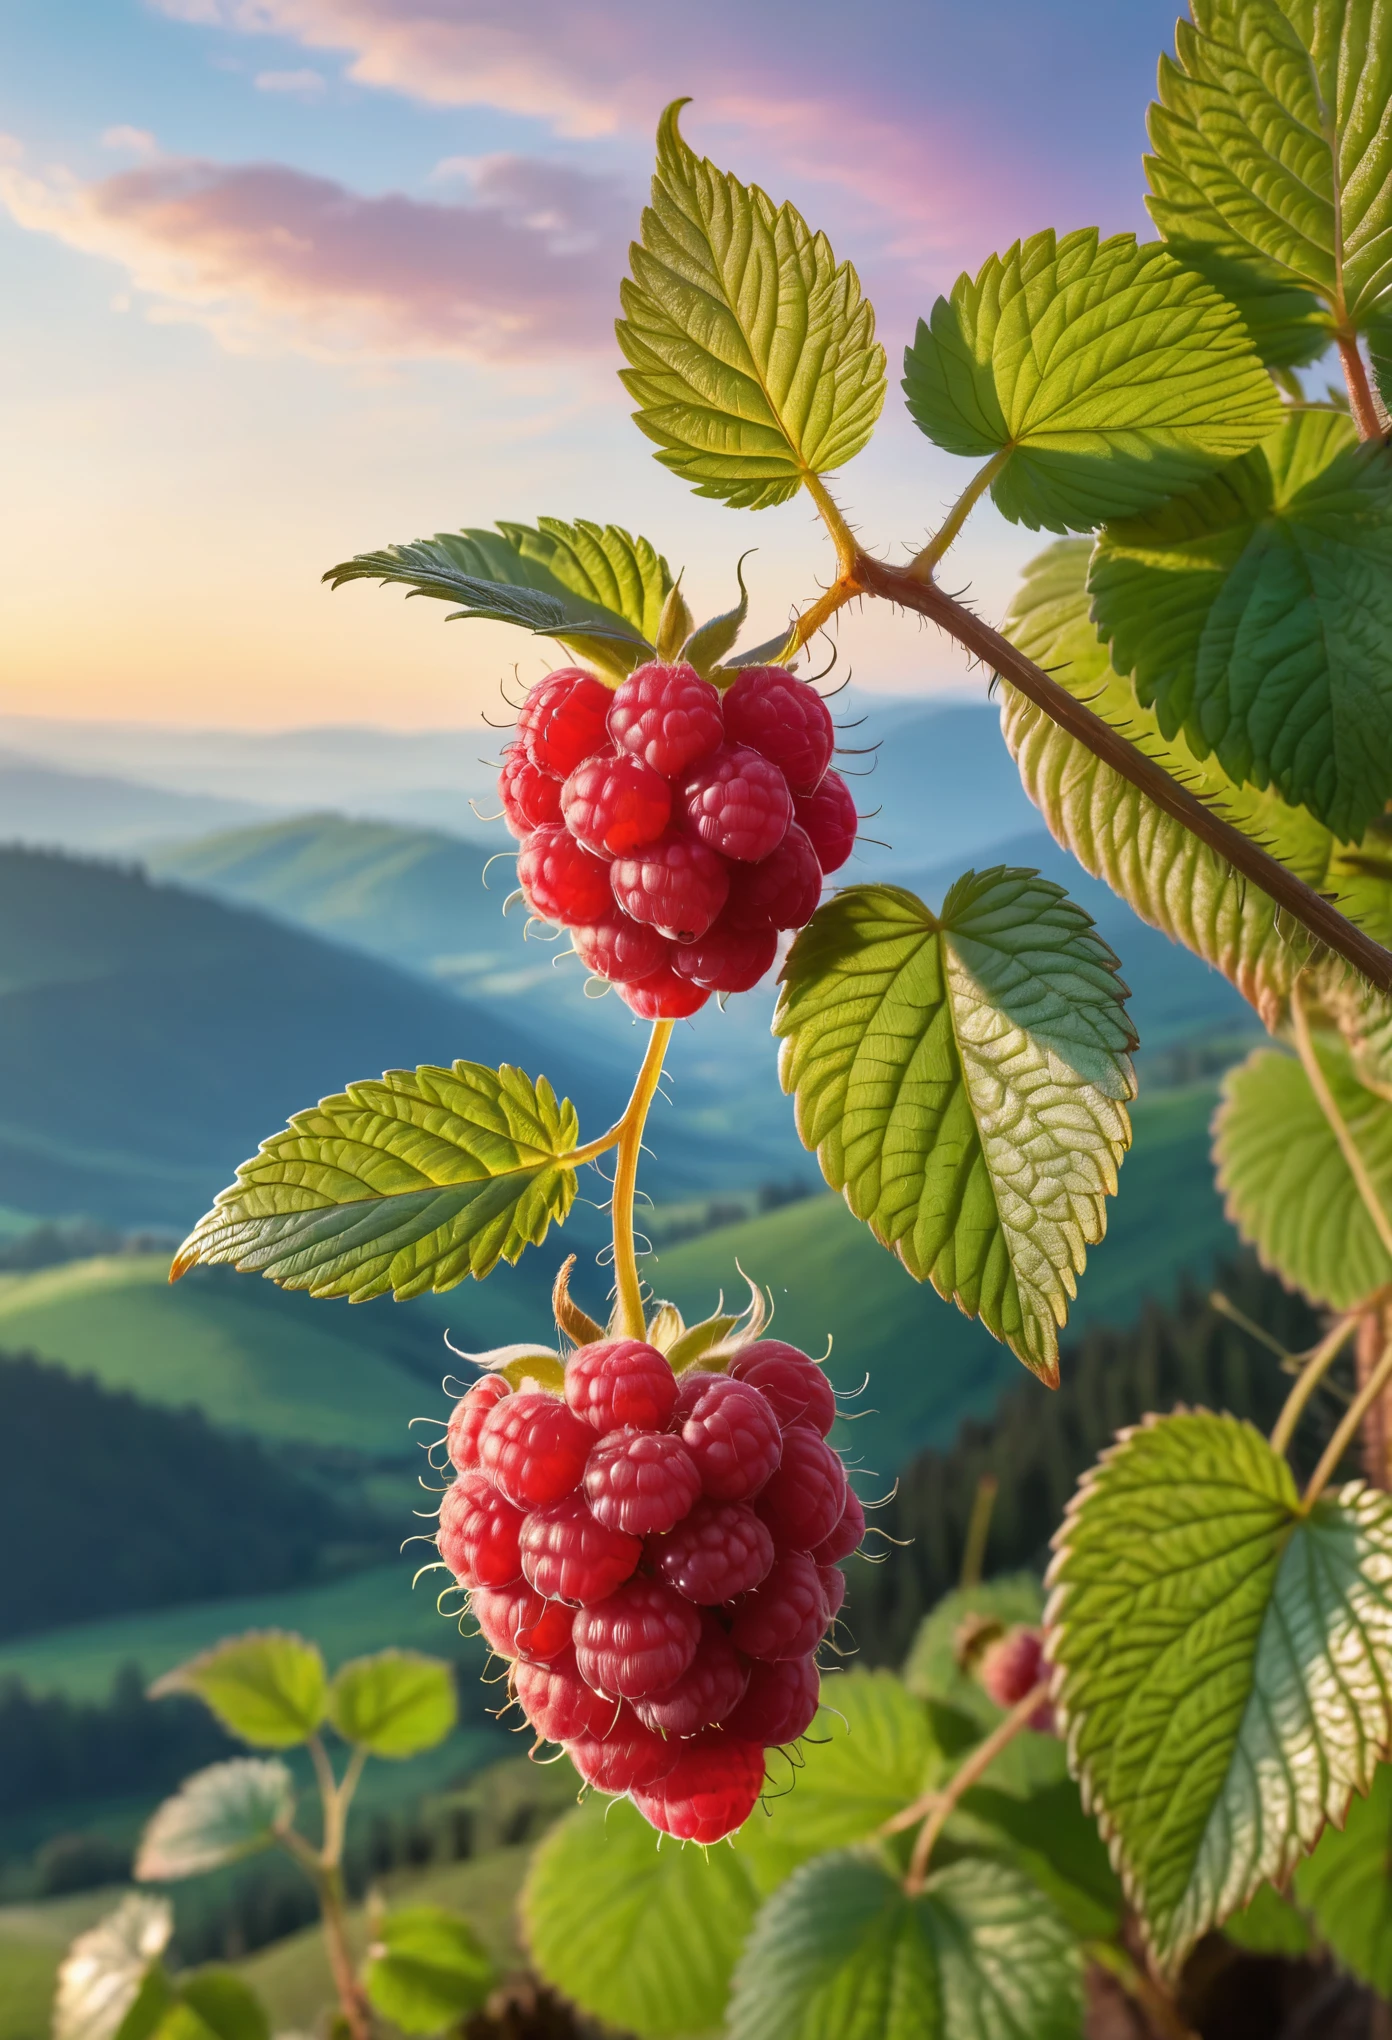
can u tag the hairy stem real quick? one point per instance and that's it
(1362, 402)
(842, 537)
(1311, 1375)
(938, 1807)
(922, 564)
(1348, 1429)
(1348, 1146)
(1158, 2009)
(628, 1288)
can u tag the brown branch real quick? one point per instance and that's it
(1362, 402)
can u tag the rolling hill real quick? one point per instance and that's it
(48, 808)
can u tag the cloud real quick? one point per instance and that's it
(135, 141)
(304, 84)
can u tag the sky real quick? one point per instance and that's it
(286, 280)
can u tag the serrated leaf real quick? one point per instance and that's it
(1220, 1663)
(104, 1970)
(1347, 1886)
(395, 1703)
(1254, 613)
(267, 1687)
(963, 1078)
(637, 1931)
(1164, 872)
(1286, 325)
(752, 354)
(1105, 375)
(407, 1184)
(1271, 137)
(217, 1816)
(841, 1951)
(426, 1969)
(1286, 1184)
(226, 2006)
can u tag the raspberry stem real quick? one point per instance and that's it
(935, 1809)
(628, 1288)
(1310, 1377)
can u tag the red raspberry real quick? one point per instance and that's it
(567, 1556)
(720, 1550)
(805, 1495)
(733, 1436)
(478, 1535)
(643, 1481)
(626, 1758)
(561, 881)
(562, 720)
(664, 995)
(466, 1419)
(534, 1448)
(737, 802)
(530, 797)
(795, 1385)
(786, 1616)
(847, 1535)
(676, 885)
(558, 1703)
(638, 1641)
(779, 1701)
(614, 804)
(774, 712)
(829, 820)
(620, 1384)
(727, 959)
(711, 1789)
(517, 1623)
(782, 892)
(711, 1687)
(1011, 1667)
(666, 715)
(834, 1587)
(691, 1386)
(619, 948)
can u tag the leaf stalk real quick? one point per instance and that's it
(921, 566)
(1347, 1430)
(936, 1808)
(1338, 1125)
(1310, 1377)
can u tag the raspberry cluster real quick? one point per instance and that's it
(657, 1556)
(675, 829)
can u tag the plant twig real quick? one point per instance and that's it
(1309, 1379)
(1162, 2013)
(1225, 1307)
(628, 1287)
(1362, 403)
(938, 1806)
(978, 1530)
(923, 563)
(1347, 1430)
(1338, 1125)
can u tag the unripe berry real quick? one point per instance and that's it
(641, 1481)
(531, 798)
(619, 948)
(620, 1384)
(718, 1551)
(786, 1616)
(627, 1758)
(567, 1556)
(561, 881)
(710, 1688)
(736, 802)
(781, 716)
(558, 1703)
(795, 1385)
(638, 1641)
(782, 892)
(1013, 1666)
(666, 715)
(534, 1448)
(733, 1436)
(711, 1789)
(466, 1419)
(847, 1535)
(562, 720)
(803, 1499)
(779, 1702)
(727, 959)
(516, 1623)
(614, 804)
(664, 994)
(479, 1532)
(829, 820)
(675, 885)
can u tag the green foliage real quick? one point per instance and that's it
(931, 1669)
(216, 1817)
(963, 1079)
(395, 1704)
(1104, 375)
(224, 2006)
(406, 1184)
(1271, 1925)
(267, 1687)
(1046, 1833)
(1347, 1886)
(752, 354)
(1255, 613)
(639, 1932)
(102, 1978)
(1218, 1651)
(426, 1969)
(842, 1950)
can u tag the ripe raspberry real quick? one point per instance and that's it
(562, 720)
(641, 1481)
(733, 1436)
(517, 1623)
(638, 1641)
(478, 1534)
(675, 885)
(664, 994)
(561, 881)
(614, 804)
(737, 802)
(710, 1688)
(466, 1419)
(711, 1789)
(558, 1703)
(774, 712)
(620, 1384)
(834, 1587)
(727, 959)
(530, 797)
(779, 1702)
(567, 1556)
(666, 715)
(805, 1495)
(847, 1535)
(619, 948)
(718, 1551)
(1011, 1667)
(787, 1615)
(626, 1758)
(782, 892)
(534, 1448)
(795, 1385)
(829, 820)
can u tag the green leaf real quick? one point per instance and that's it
(1286, 325)
(1271, 139)
(1220, 1663)
(405, 1185)
(640, 1933)
(1165, 873)
(1288, 1189)
(752, 354)
(1103, 375)
(426, 1969)
(1271, 1925)
(182, 2022)
(841, 1953)
(870, 1753)
(1050, 1839)
(225, 2005)
(266, 1687)
(592, 587)
(1254, 614)
(104, 1972)
(395, 1704)
(217, 1816)
(150, 2007)
(1380, 355)
(1347, 1886)
(962, 1077)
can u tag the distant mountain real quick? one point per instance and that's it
(83, 811)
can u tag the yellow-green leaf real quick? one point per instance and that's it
(267, 1687)
(395, 1704)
